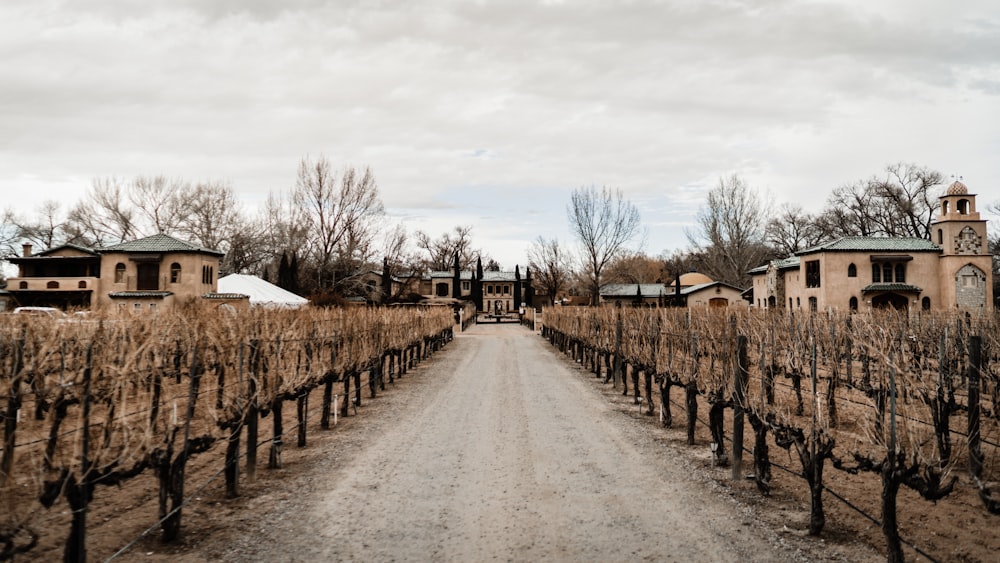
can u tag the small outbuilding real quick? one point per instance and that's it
(261, 292)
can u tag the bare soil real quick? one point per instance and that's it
(500, 449)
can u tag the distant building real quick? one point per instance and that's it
(490, 291)
(696, 290)
(952, 271)
(147, 274)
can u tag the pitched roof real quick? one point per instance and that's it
(261, 292)
(449, 274)
(895, 287)
(630, 290)
(874, 244)
(499, 276)
(159, 243)
(701, 286)
(789, 263)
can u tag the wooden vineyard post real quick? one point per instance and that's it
(974, 378)
(274, 457)
(253, 411)
(79, 494)
(10, 417)
(357, 388)
(328, 388)
(617, 373)
(739, 405)
(301, 413)
(348, 375)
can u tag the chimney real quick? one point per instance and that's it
(26, 249)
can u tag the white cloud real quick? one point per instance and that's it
(658, 98)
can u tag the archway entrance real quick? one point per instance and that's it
(718, 303)
(890, 301)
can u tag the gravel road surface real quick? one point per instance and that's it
(501, 450)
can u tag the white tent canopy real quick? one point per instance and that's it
(262, 293)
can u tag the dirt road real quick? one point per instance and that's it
(502, 452)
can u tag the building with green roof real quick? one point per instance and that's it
(952, 271)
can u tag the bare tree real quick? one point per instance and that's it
(636, 267)
(550, 266)
(158, 203)
(47, 229)
(900, 203)
(731, 240)
(340, 219)
(8, 234)
(105, 216)
(440, 252)
(792, 230)
(603, 222)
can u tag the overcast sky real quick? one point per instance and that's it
(491, 113)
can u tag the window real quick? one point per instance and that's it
(900, 273)
(175, 273)
(466, 286)
(22, 285)
(940, 237)
(812, 273)
(506, 290)
(925, 303)
(489, 290)
(963, 206)
(789, 302)
(148, 276)
(813, 304)
(119, 273)
(970, 281)
(82, 284)
(852, 271)
(853, 304)
(798, 302)
(441, 290)
(887, 273)
(52, 285)
(207, 275)
(137, 307)
(152, 307)
(876, 273)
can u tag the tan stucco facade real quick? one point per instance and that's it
(951, 271)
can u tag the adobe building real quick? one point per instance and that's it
(954, 271)
(147, 274)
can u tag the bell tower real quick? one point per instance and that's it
(966, 265)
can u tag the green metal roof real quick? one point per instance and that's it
(139, 294)
(874, 244)
(631, 290)
(159, 243)
(894, 287)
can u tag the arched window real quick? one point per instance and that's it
(925, 303)
(887, 272)
(52, 285)
(876, 273)
(962, 207)
(82, 284)
(789, 302)
(175, 273)
(812, 304)
(853, 304)
(944, 207)
(900, 273)
(22, 285)
(119, 273)
(852, 271)
(798, 302)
